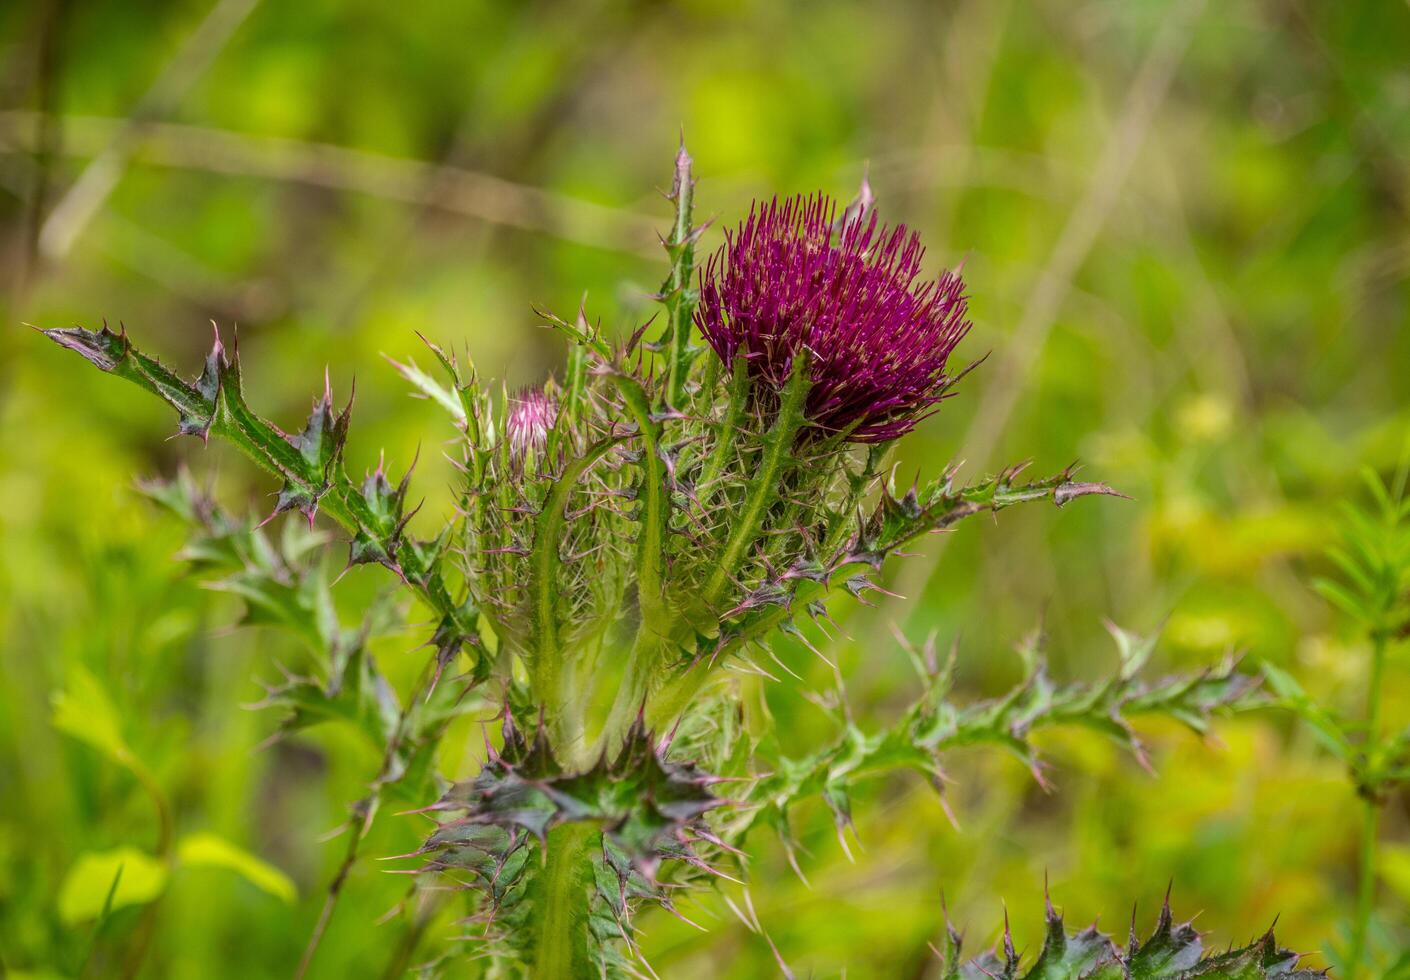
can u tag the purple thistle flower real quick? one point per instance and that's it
(792, 278)
(531, 414)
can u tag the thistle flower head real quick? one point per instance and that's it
(792, 278)
(529, 416)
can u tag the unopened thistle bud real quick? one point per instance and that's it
(529, 417)
(792, 278)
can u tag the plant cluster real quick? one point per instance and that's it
(1372, 591)
(627, 539)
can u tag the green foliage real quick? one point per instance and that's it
(84, 711)
(1373, 592)
(107, 880)
(1374, 561)
(207, 850)
(285, 584)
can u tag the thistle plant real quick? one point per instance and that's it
(628, 538)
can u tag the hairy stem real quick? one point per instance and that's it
(679, 298)
(763, 488)
(644, 662)
(547, 662)
(560, 941)
(724, 446)
(651, 540)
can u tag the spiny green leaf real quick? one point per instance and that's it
(1173, 951)
(1329, 730)
(309, 464)
(355, 692)
(935, 724)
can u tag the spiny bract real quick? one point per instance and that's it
(1171, 952)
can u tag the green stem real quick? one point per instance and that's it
(1371, 817)
(559, 946)
(674, 697)
(845, 521)
(680, 299)
(1373, 690)
(677, 692)
(643, 664)
(651, 540)
(1366, 890)
(724, 439)
(365, 811)
(547, 664)
(764, 487)
(646, 657)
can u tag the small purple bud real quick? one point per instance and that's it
(531, 414)
(793, 277)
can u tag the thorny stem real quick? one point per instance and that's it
(648, 652)
(643, 663)
(215, 404)
(677, 693)
(656, 620)
(857, 489)
(680, 303)
(763, 487)
(724, 439)
(651, 540)
(547, 664)
(1371, 815)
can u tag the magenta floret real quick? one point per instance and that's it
(793, 278)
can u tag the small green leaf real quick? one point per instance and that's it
(84, 711)
(431, 388)
(89, 883)
(206, 850)
(1328, 729)
(1342, 599)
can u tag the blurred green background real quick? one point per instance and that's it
(1186, 233)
